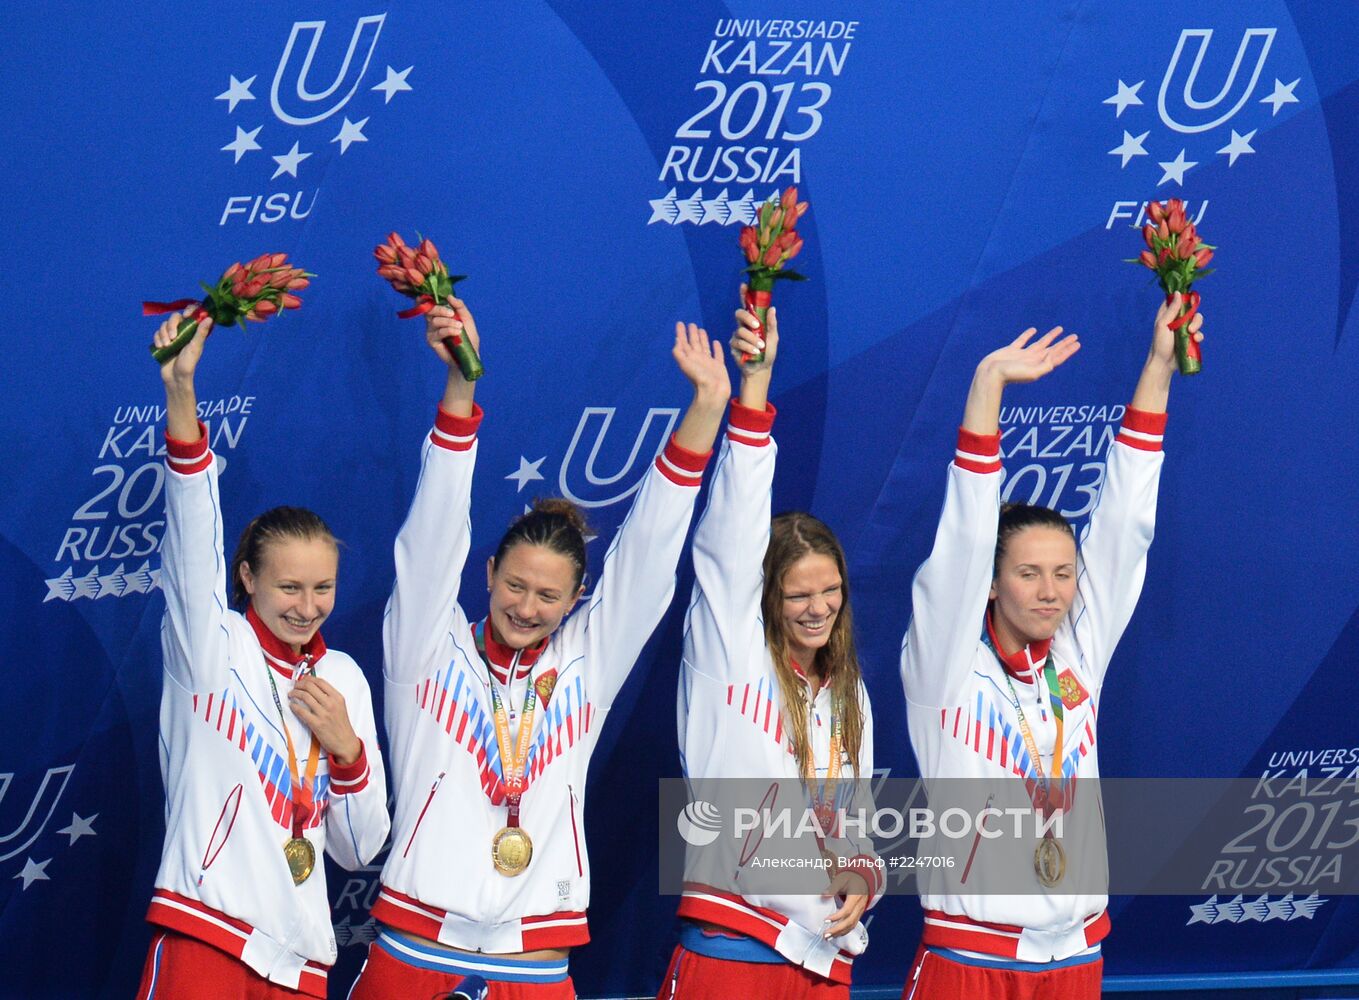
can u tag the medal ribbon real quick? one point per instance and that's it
(824, 797)
(1046, 785)
(302, 790)
(513, 759)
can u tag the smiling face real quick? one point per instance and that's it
(293, 588)
(532, 589)
(1034, 586)
(812, 594)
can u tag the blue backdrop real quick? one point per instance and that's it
(971, 172)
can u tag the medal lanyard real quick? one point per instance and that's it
(302, 790)
(1045, 785)
(823, 797)
(513, 759)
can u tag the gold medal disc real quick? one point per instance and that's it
(1049, 861)
(511, 851)
(301, 857)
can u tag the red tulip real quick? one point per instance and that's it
(1156, 210)
(395, 240)
(428, 249)
(771, 257)
(290, 301)
(406, 257)
(252, 288)
(789, 200)
(1163, 255)
(794, 250)
(1148, 258)
(1149, 234)
(385, 254)
(259, 262)
(278, 259)
(1163, 230)
(423, 264)
(749, 244)
(231, 270)
(802, 207)
(1202, 257)
(265, 308)
(297, 284)
(775, 220)
(280, 279)
(1185, 247)
(414, 277)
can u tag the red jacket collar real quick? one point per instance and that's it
(501, 657)
(277, 653)
(1023, 663)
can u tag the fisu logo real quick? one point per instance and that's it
(581, 479)
(39, 811)
(290, 80)
(1186, 106)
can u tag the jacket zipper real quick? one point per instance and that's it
(571, 794)
(434, 788)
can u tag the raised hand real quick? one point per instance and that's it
(748, 340)
(701, 361)
(452, 320)
(180, 368)
(1163, 337)
(1022, 361)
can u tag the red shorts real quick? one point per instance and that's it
(179, 967)
(937, 977)
(698, 977)
(385, 977)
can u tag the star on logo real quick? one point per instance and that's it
(743, 209)
(1282, 909)
(526, 473)
(87, 585)
(140, 580)
(364, 933)
(243, 143)
(663, 209)
(350, 132)
(717, 210)
(1130, 146)
(1203, 913)
(1239, 146)
(691, 208)
(343, 932)
(79, 828)
(1282, 95)
(60, 588)
(1307, 908)
(394, 84)
(34, 872)
(1229, 912)
(1126, 95)
(236, 93)
(288, 162)
(114, 584)
(1258, 910)
(1175, 169)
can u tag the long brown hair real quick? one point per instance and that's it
(792, 536)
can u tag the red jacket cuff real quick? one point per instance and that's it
(682, 466)
(749, 426)
(456, 433)
(871, 869)
(977, 452)
(348, 778)
(1142, 430)
(188, 457)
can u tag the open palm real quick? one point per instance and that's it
(1022, 361)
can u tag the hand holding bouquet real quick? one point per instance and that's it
(419, 273)
(768, 247)
(254, 291)
(1178, 256)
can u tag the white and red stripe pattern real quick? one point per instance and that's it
(709, 905)
(872, 869)
(190, 917)
(748, 426)
(345, 779)
(756, 703)
(953, 930)
(188, 457)
(456, 433)
(977, 452)
(563, 929)
(682, 466)
(1142, 430)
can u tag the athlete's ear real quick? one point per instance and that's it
(490, 573)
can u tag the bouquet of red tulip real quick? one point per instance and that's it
(419, 273)
(253, 291)
(768, 247)
(1179, 258)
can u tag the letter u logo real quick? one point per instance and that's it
(296, 103)
(590, 488)
(43, 804)
(1190, 114)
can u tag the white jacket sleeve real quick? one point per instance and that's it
(193, 634)
(357, 822)
(1111, 560)
(949, 594)
(723, 627)
(637, 580)
(431, 549)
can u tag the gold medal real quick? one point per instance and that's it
(511, 851)
(301, 857)
(1049, 861)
